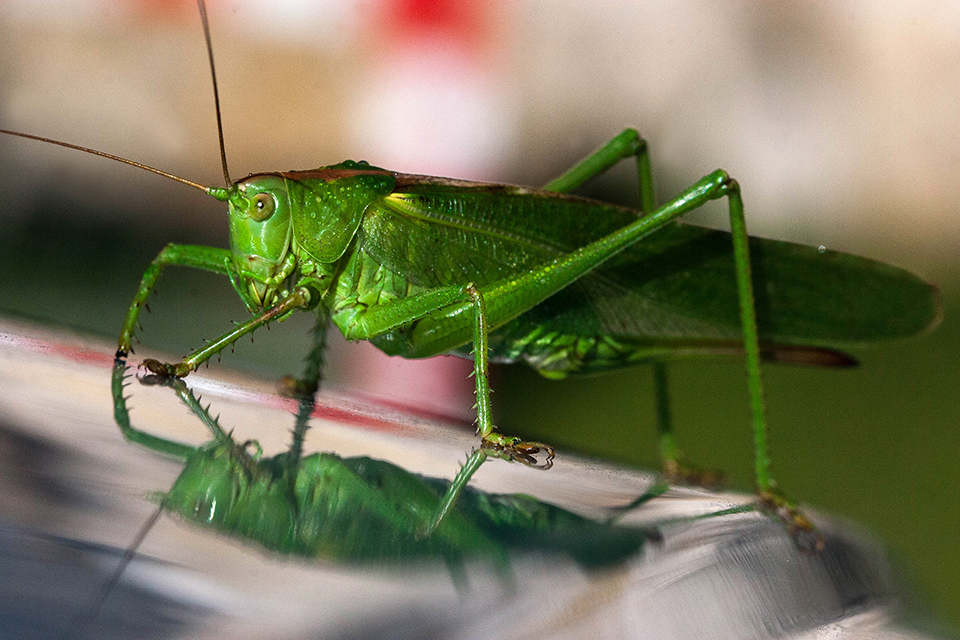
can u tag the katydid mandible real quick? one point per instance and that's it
(422, 266)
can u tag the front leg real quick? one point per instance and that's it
(299, 298)
(181, 255)
(121, 413)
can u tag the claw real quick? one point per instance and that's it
(162, 369)
(517, 450)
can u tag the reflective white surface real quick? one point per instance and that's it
(72, 498)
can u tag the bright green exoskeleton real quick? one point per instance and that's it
(422, 266)
(359, 510)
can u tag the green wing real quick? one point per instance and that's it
(677, 285)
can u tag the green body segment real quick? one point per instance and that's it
(358, 510)
(340, 509)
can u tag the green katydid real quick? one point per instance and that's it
(422, 266)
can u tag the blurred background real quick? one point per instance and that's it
(839, 120)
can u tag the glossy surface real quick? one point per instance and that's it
(74, 498)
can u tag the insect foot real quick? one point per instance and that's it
(164, 369)
(517, 450)
(804, 533)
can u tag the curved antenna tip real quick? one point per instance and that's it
(103, 154)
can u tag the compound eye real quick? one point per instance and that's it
(263, 207)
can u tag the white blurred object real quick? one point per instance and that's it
(737, 576)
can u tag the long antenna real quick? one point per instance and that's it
(216, 91)
(220, 194)
(103, 154)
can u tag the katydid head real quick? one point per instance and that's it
(224, 486)
(260, 234)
